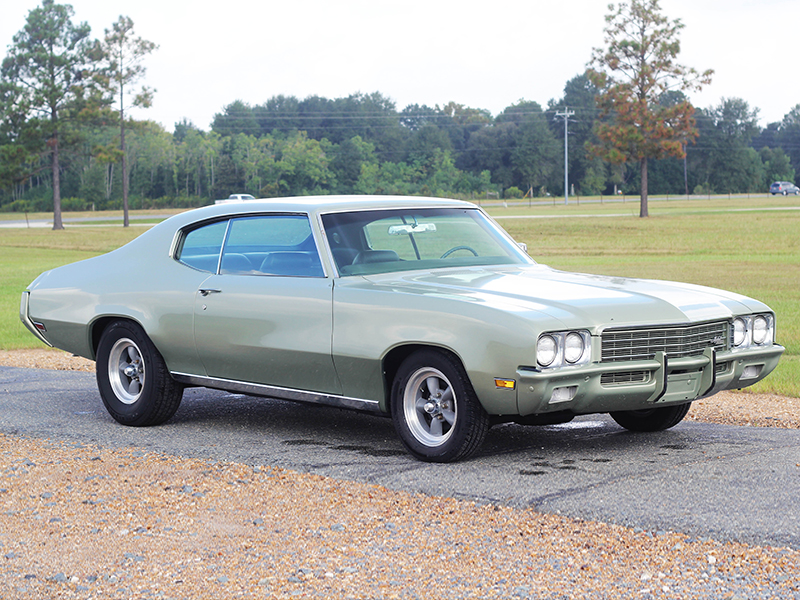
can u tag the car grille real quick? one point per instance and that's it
(675, 341)
(626, 378)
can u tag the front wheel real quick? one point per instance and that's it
(651, 419)
(434, 408)
(133, 379)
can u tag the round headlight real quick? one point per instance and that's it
(546, 350)
(760, 330)
(573, 347)
(739, 332)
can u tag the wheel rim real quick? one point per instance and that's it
(126, 371)
(429, 406)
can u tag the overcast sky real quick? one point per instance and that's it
(481, 54)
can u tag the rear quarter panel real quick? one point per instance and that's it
(138, 281)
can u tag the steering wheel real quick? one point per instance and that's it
(456, 248)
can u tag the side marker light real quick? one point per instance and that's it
(506, 384)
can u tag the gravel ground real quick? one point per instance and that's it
(79, 521)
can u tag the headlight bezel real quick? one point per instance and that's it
(753, 331)
(562, 355)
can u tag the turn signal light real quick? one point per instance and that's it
(507, 384)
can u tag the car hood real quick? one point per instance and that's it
(575, 299)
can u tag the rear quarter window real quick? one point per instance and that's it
(201, 247)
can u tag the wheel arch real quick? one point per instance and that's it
(99, 325)
(395, 357)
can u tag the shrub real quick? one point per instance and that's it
(17, 206)
(704, 189)
(73, 204)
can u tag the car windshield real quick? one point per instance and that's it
(383, 241)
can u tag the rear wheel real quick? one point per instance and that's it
(434, 408)
(651, 419)
(133, 379)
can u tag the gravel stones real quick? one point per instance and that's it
(263, 532)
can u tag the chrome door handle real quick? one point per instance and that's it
(207, 291)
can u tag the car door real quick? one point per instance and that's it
(266, 316)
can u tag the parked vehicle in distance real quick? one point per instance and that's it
(784, 187)
(421, 309)
(235, 198)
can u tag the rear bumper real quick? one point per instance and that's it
(26, 319)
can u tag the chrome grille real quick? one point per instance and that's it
(628, 377)
(676, 341)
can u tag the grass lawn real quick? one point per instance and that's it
(747, 245)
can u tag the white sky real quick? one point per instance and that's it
(480, 54)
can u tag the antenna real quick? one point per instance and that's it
(566, 115)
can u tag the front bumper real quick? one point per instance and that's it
(635, 385)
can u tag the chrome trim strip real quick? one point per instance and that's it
(256, 389)
(26, 318)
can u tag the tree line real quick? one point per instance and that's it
(73, 136)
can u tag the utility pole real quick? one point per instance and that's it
(566, 115)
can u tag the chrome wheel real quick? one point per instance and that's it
(126, 371)
(434, 408)
(134, 382)
(429, 405)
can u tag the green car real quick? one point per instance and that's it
(421, 309)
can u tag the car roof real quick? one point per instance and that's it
(313, 205)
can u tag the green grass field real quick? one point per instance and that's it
(747, 245)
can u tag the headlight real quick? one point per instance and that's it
(546, 350)
(753, 330)
(563, 348)
(760, 330)
(573, 347)
(739, 332)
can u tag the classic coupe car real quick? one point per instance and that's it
(418, 308)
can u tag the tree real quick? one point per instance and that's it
(125, 53)
(789, 136)
(20, 140)
(48, 71)
(536, 151)
(347, 160)
(519, 149)
(728, 162)
(777, 166)
(579, 97)
(237, 117)
(632, 73)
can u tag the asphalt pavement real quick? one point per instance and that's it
(722, 482)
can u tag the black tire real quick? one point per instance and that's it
(444, 424)
(651, 419)
(134, 382)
